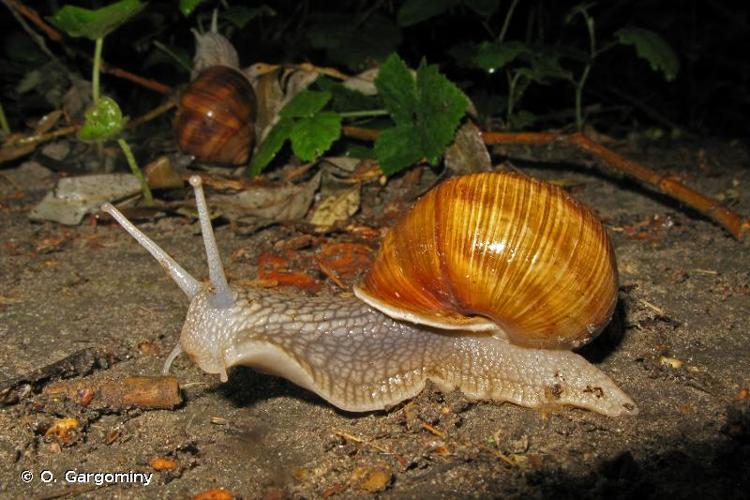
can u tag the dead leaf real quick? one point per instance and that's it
(337, 207)
(74, 197)
(363, 82)
(266, 204)
(273, 268)
(467, 153)
(347, 260)
(160, 174)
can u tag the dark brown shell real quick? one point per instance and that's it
(498, 251)
(216, 117)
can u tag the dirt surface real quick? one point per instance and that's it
(679, 345)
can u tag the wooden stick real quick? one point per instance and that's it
(738, 226)
(162, 392)
(143, 82)
(735, 224)
(32, 16)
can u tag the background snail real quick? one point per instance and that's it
(215, 119)
(360, 359)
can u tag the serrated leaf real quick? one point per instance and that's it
(270, 146)
(311, 137)
(188, 6)
(397, 87)
(94, 24)
(102, 121)
(305, 104)
(395, 148)
(441, 106)
(427, 110)
(416, 11)
(653, 48)
(493, 56)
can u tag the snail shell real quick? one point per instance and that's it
(501, 250)
(216, 117)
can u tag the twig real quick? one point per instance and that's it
(738, 226)
(143, 82)
(150, 115)
(32, 16)
(19, 11)
(72, 129)
(162, 392)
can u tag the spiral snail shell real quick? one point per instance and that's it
(215, 119)
(483, 286)
(483, 252)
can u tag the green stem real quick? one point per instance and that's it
(579, 97)
(136, 171)
(512, 82)
(364, 113)
(506, 23)
(97, 65)
(4, 122)
(171, 54)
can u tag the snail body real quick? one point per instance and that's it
(368, 352)
(215, 119)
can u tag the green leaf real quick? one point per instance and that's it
(653, 48)
(521, 120)
(397, 87)
(416, 11)
(188, 6)
(305, 104)
(493, 56)
(240, 16)
(102, 121)
(441, 106)
(426, 109)
(546, 65)
(311, 137)
(395, 148)
(95, 24)
(271, 145)
(345, 99)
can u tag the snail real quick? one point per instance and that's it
(484, 286)
(215, 119)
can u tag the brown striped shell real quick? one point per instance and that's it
(498, 251)
(216, 117)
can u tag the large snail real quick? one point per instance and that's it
(483, 286)
(215, 119)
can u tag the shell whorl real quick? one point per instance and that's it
(215, 119)
(498, 250)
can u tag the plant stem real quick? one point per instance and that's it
(171, 54)
(364, 113)
(579, 96)
(4, 127)
(97, 66)
(506, 23)
(512, 82)
(136, 171)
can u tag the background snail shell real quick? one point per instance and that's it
(215, 119)
(504, 247)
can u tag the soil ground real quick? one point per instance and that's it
(679, 345)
